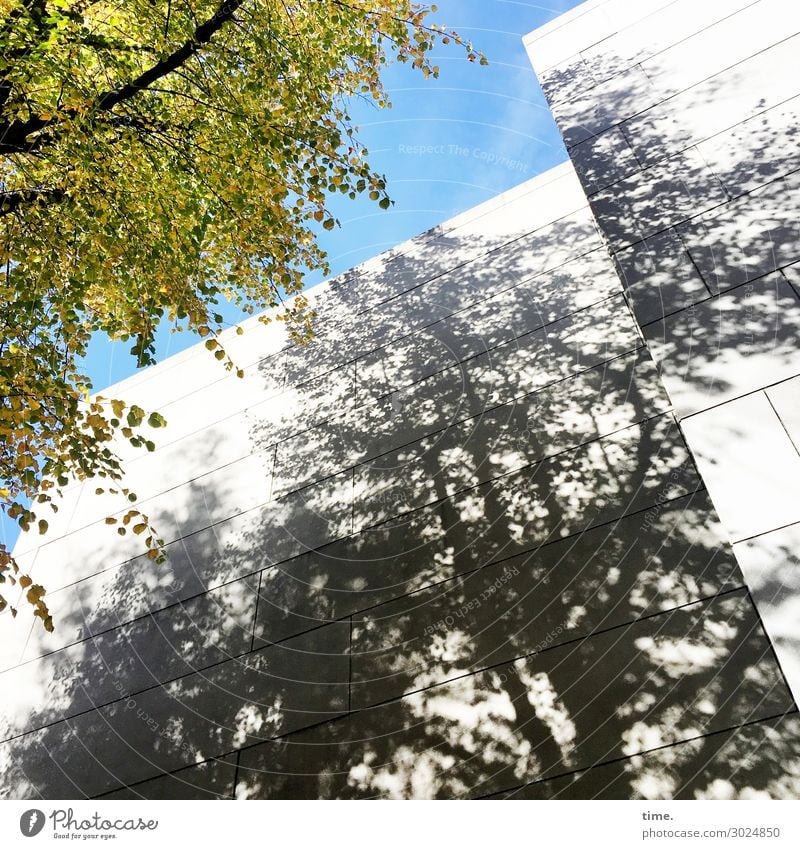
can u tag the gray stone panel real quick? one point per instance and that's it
(749, 464)
(702, 668)
(380, 563)
(605, 577)
(657, 198)
(301, 407)
(509, 370)
(647, 30)
(731, 40)
(758, 761)
(632, 470)
(716, 104)
(605, 105)
(499, 440)
(757, 151)
(771, 564)
(467, 284)
(785, 400)
(272, 691)
(208, 500)
(200, 562)
(792, 274)
(686, 145)
(131, 657)
(206, 781)
(659, 277)
(487, 324)
(604, 159)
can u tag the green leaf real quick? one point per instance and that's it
(168, 204)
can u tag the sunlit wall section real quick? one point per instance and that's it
(455, 547)
(682, 119)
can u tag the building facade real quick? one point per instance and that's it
(518, 523)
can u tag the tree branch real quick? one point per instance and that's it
(9, 201)
(202, 35)
(14, 134)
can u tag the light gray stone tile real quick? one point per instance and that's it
(15, 631)
(603, 159)
(195, 455)
(644, 32)
(566, 80)
(57, 522)
(464, 239)
(352, 574)
(321, 452)
(218, 401)
(759, 150)
(210, 458)
(200, 503)
(747, 238)
(536, 253)
(771, 565)
(728, 346)
(582, 26)
(578, 342)
(490, 322)
(570, 492)
(301, 407)
(629, 471)
(792, 274)
(199, 562)
(134, 655)
(723, 100)
(749, 464)
(509, 370)
(730, 41)
(785, 399)
(498, 268)
(604, 106)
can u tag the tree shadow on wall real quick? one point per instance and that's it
(495, 569)
(693, 207)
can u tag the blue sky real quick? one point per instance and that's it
(445, 146)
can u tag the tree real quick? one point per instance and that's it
(156, 158)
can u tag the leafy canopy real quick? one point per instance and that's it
(156, 158)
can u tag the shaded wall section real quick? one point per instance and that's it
(457, 547)
(682, 120)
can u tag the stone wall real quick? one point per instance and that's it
(683, 122)
(456, 547)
